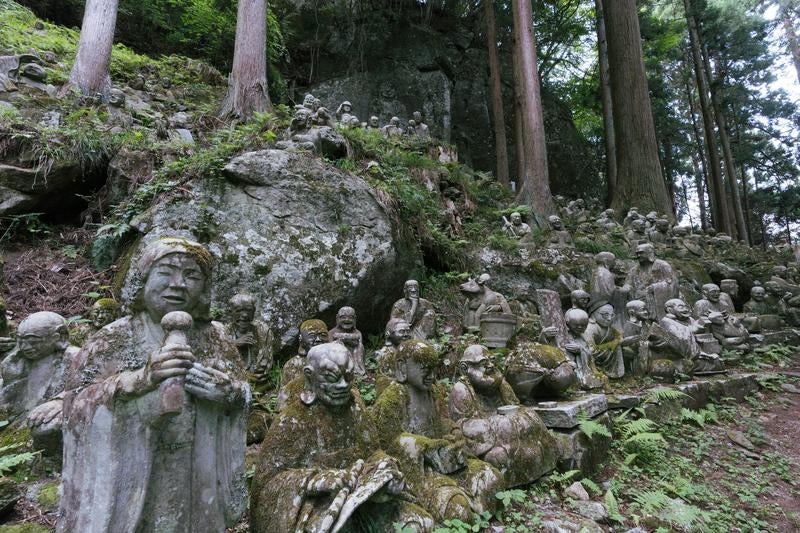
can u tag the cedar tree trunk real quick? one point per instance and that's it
(498, 115)
(89, 72)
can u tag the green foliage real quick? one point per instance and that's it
(10, 461)
(25, 226)
(479, 523)
(590, 427)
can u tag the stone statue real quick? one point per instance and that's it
(674, 345)
(312, 333)
(606, 222)
(320, 468)
(104, 311)
(252, 337)
(605, 340)
(633, 214)
(346, 333)
(651, 280)
(559, 236)
(579, 299)
(411, 130)
(540, 370)
(418, 312)
(758, 305)
(603, 285)
(116, 98)
(414, 426)
(711, 302)
(730, 291)
(397, 331)
(374, 123)
(636, 354)
(516, 228)
(393, 129)
(659, 234)
(576, 211)
(155, 409)
(579, 351)
(344, 113)
(729, 331)
(511, 438)
(421, 128)
(6, 341)
(637, 234)
(650, 220)
(33, 377)
(490, 301)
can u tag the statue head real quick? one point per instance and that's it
(175, 275)
(346, 107)
(104, 311)
(312, 333)
(607, 259)
(243, 310)
(412, 124)
(397, 331)
(779, 271)
(633, 212)
(116, 98)
(374, 122)
(774, 288)
(678, 309)
(417, 117)
(308, 101)
(416, 364)
(395, 121)
(328, 375)
(555, 222)
(477, 366)
(484, 280)
(638, 225)
(758, 293)
(316, 105)
(42, 334)
(577, 321)
(651, 217)
(680, 231)
(662, 225)
(346, 318)
(411, 289)
(603, 313)
(645, 254)
(516, 218)
(637, 309)
(729, 286)
(609, 213)
(711, 292)
(717, 319)
(580, 299)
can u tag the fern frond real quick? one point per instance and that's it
(689, 415)
(591, 428)
(663, 394)
(612, 507)
(646, 437)
(652, 501)
(634, 427)
(591, 485)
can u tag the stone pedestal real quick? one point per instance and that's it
(565, 415)
(579, 452)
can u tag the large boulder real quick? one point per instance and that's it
(304, 237)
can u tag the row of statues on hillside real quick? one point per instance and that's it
(311, 113)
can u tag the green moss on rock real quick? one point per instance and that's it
(48, 496)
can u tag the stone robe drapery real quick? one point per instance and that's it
(127, 469)
(422, 320)
(606, 349)
(659, 276)
(27, 384)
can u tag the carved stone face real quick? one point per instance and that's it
(641, 312)
(645, 254)
(580, 299)
(577, 321)
(758, 294)
(346, 107)
(663, 225)
(395, 121)
(516, 219)
(730, 286)
(174, 283)
(346, 318)
(417, 117)
(638, 225)
(411, 289)
(116, 98)
(329, 375)
(604, 316)
(401, 331)
(478, 367)
(243, 313)
(101, 316)
(711, 293)
(679, 308)
(373, 122)
(41, 334)
(556, 223)
(312, 333)
(420, 376)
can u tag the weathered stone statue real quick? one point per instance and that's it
(252, 337)
(637, 234)
(393, 129)
(346, 333)
(421, 128)
(490, 301)
(103, 312)
(397, 331)
(756, 311)
(515, 227)
(603, 285)
(605, 340)
(414, 426)
(729, 331)
(633, 214)
(711, 302)
(6, 341)
(651, 280)
(511, 438)
(650, 220)
(540, 370)
(116, 98)
(418, 312)
(606, 221)
(730, 291)
(636, 354)
(674, 345)
(579, 351)
(344, 113)
(579, 299)
(576, 211)
(320, 467)
(33, 377)
(312, 333)
(559, 236)
(155, 409)
(374, 123)
(411, 130)
(659, 234)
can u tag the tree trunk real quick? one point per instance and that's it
(498, 115)
(639, 179)
(730, 166)
(605, 93)
(89, 72)
(701, 173)
(719, 204)
(247, 83)
(699, 178)
(535, 187)
(791, 37)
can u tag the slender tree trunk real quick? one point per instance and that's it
(89, 72)
(702, 184)
(791, 37)
(247, 83)
(519, 142)
(605, 93)
(699, 178)
(498, 115)
(640, 182)
(719, 203)
(745, 189)
(535, 187)
(724, 139)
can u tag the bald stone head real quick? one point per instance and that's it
(328, 375)
(477, 366)
(42, 334)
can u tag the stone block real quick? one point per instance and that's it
(786, 336)
(579, 452)
(733, 386)
(696, 392)
(624, 401)
(564, 415)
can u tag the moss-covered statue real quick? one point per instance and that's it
(540, 370)
(579, 351)
(155, 409)
(498, 430)
(103, 312)
(347, 333)
(321, 468)
(397, 332)
(418, 312)
(558, 236)
(252, 337)
(33, 377)
(312, 333)
(414, 426)
(605, 340)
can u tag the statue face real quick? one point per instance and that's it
(417, 116)
(712, 293)
(556, 223)
(346, 319)
(482, 373)
(681, 310)
(645, 254)
(516, 219)
(604, 316)
(311, 338)
(662, 225)
(330, 376)
(758, 294)
(577, 326)
(102, 316)
(642, 313)
(638, 225)
(33, 344)
(400, 332)
(419, 376)
(347, 108)
(581, 300)
(395, 121)
(116, 98)
(373, 121)
(243, 313)
(411, 289)
(174, 283)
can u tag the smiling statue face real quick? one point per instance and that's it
(411, 289)
(401, 331)
(604, 316)
(758, 294)
(420, 376)
(679, 308)
(243, 313)
(711, 292)
(174, 283)
(478, 367)
(346, 318)
(329, 374)
(40, 335)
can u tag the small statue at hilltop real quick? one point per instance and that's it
(393, 129)
(346, 333)
(418, 312)
(515, 227)
(104, 311)
(603, 284)
(420, 128)
(252, 337)
(558, 236)
(652, 280)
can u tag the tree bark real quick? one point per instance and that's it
(701, 167)
(247, 83)
(605, 93)
(699, 178)
(89, 72)
(730, 166)
(719, 204)
(639, 179)
(535, 187)
(791, 37)
(498, 114)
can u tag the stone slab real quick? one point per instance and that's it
(578, 452)
(565, 414)
(787, 336)
(696, 392)
(736, 386)
(624, 401)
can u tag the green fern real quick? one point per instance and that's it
(590, 427)
(689, 415)
(612, 507)
(591, 485)
(662, 394)
(652, 501)
(634, 427)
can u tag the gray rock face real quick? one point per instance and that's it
(303, 237)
